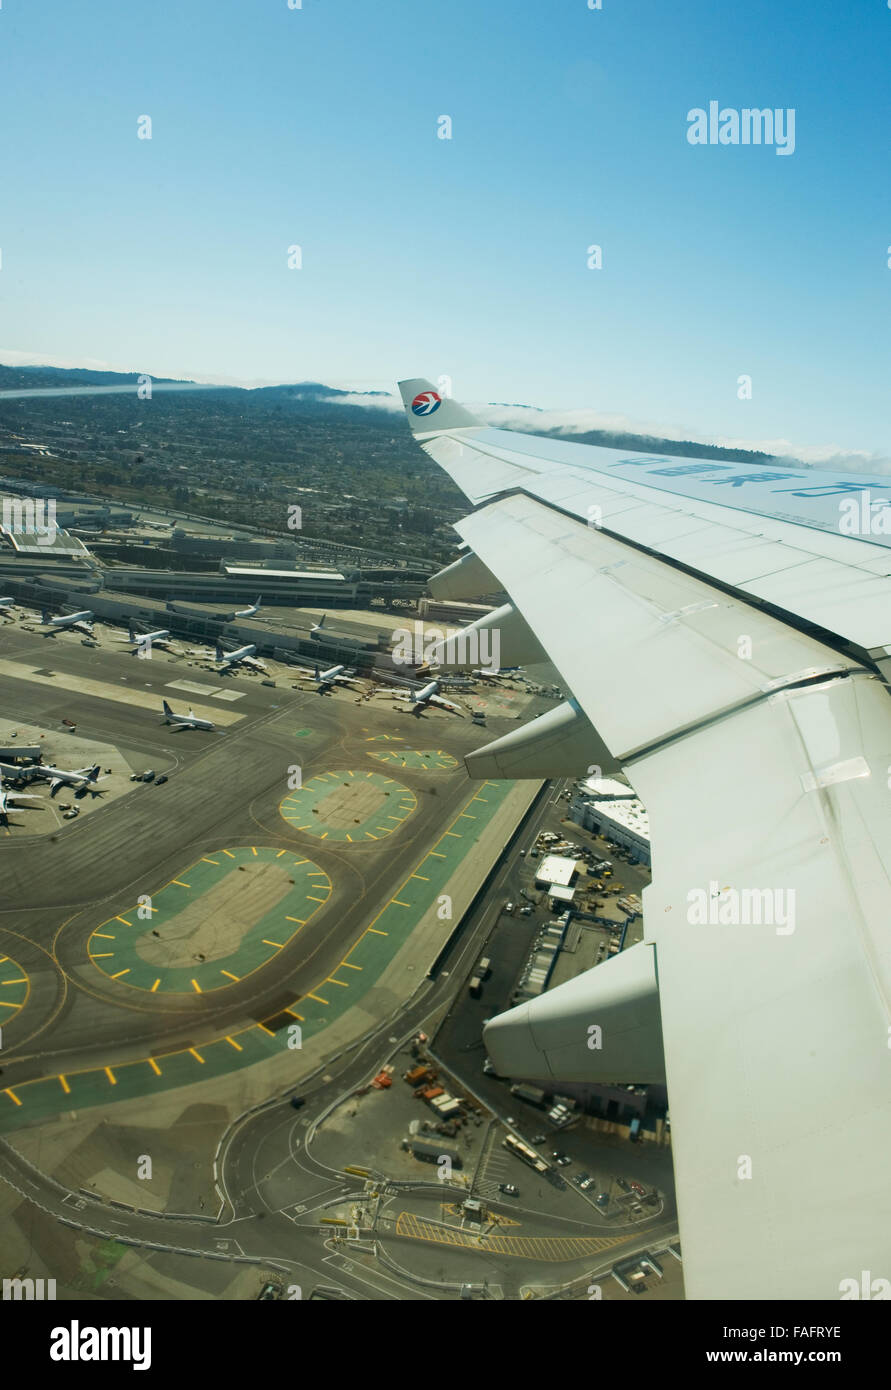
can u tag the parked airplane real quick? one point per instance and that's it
(343, 639)
(249, 611)
(186, 721)
(244, 656)
(147, 640)
(7, 800)
(335, 675)
(83, 779)
(80, 622)
(429, 695)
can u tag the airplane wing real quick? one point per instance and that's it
(444, 704)
(726, 636)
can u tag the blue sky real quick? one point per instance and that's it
(467, 256)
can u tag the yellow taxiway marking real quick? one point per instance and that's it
(154, 1066)
(301, 920)
(238, 1047)
(398, 903)
(437, 856)
(317, 997)
(229, 852)
(12, 1096)
(465, 816)
(351, 967)
(104, 936)
(124, 920)
(179, 883)
(378, 933)
(65, 1087)
(101, 955)
(120, 973)
(421, 876)
(276, 944)
(253, 851)
(311, 899)
(331, 981)
(294, 1014)
(280, 853)
(23, 979)
(197, 1055)
(298, 862)
(111, 1076)
(155, 985)
(229, 975)
(370, 836)
(325, 836)
(196, 986)
(350, 838)
(212, 861)
(270, 1031)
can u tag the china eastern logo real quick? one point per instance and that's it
(426, 403)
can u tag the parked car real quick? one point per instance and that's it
(159, 781)
(508, 1189)
(562, 1160)
(298, 1101)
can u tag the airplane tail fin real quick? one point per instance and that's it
(168, 711)
(218, 652)
(93, 775)
(45, 615)
(317, 627)
(316, 673)
(431, 412)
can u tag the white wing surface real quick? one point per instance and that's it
(730, 645)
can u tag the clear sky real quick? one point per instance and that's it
(317, 126)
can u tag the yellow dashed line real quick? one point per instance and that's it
(196, 986)
(317, 997)
(154, 1066)
(276, 944)
(12, 1096)
(95, 933)
(229, 852)
(65, 1087)
(209, 861)
(179, 883)
(229, 975)
(197, 1055)
(155, 985)
(120, 973)
(124, 920)
(111, 1076)
(397, 903)
(238, 1047)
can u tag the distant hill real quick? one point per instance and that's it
(41, 378)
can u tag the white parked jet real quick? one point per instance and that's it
(335, 675)
(147, 640)
(79, 622)
(82, 779)
(244, 656)
(429, 695)
(249, 611)
(186, 721)
(7, 800)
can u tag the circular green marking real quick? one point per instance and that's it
(221, 919)
(14, 988)
(415, 759)
(351, 807)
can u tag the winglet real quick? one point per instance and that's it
(430, 412)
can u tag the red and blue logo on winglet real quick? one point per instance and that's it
(426, 403)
